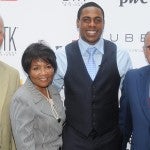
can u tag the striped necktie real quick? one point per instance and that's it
(91, 66)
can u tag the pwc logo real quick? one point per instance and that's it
(123, 2)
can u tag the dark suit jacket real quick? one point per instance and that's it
(135, 109)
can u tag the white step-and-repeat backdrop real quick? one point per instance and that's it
(54, 21)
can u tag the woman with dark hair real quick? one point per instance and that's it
(37, 112)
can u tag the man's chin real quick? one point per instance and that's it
(92, 42)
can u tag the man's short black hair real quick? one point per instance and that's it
(89, 4)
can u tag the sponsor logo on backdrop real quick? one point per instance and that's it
(73, 2)
(9, 47)
(132, 2)
(126, 37)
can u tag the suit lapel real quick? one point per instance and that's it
(4, 82)
(43, 105)
(40, 103)
(143, 90)
(46, 107)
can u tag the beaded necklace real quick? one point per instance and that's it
(51, 102)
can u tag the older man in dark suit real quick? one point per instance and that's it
(135, 105)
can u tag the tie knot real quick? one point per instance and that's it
(91, 50)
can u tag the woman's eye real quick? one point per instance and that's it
(35, 68)
(49, 66)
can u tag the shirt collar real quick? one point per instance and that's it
(84, 46)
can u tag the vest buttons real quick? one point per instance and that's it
(93, 105)
(93, 115)
(94, 123)
(93, 96)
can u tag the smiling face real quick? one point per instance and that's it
(41, 74)
(91, 24)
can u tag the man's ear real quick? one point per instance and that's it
(77, 23)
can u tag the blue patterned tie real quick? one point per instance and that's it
(91, 66)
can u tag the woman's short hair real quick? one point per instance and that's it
(38, 51)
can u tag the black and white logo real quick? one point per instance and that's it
(132, 2)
